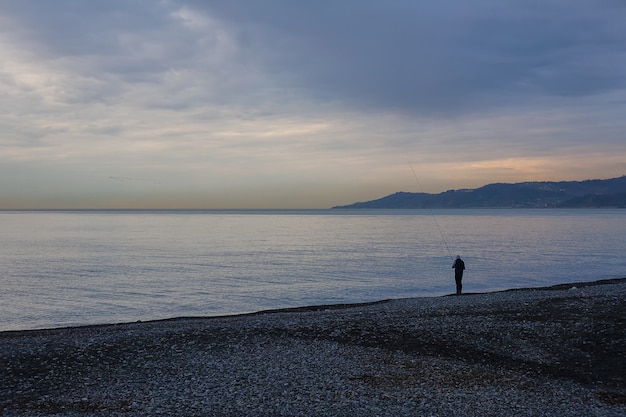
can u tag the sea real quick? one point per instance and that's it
(73, 268)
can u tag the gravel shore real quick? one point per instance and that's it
(558, 351)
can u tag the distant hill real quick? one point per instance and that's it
(588, 193)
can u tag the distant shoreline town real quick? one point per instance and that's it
(608, 193)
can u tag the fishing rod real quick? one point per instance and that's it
(431, 211)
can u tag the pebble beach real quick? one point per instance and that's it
(557, 351)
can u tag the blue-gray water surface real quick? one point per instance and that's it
(66, 268)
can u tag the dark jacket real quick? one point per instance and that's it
(458, 266)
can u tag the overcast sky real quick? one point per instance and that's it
(303, 104)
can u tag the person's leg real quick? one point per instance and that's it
(459, 285)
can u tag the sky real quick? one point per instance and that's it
(303, 104)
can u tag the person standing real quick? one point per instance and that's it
(459, 266)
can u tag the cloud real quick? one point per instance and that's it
(436, 57)
(426, 58)
(217, 101)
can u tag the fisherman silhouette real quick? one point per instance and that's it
(459, 267)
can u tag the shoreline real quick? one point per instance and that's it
(550, 351)
(319, 307)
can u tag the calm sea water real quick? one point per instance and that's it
(66, 268)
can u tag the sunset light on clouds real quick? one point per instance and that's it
(283, 104)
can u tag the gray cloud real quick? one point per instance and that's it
(440, 56)
(225, 97)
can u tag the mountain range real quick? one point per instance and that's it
(561, 194)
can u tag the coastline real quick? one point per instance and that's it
(556, 350)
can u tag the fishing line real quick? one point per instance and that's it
(431, 211)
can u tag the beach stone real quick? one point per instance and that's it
(535, 352)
